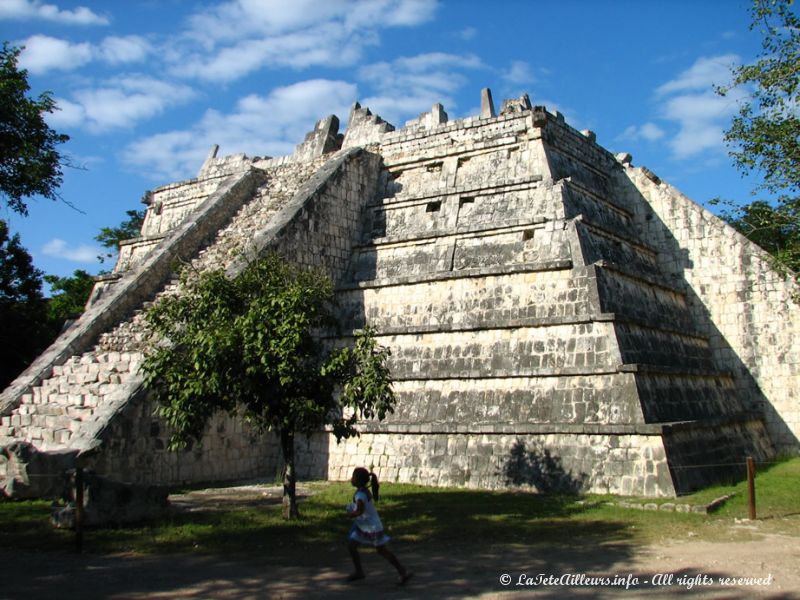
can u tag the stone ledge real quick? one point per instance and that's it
(675, 506)
(509, 324)
(552, 265)
(713, 422)
(143, 239)
(581, 188)
(640, 276)
(403, 135)
(648, 429)
(514, 428)
(668, 370)
(456, 234)
(603, 232)
(510, 185)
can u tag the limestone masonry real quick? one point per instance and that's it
(558, 318)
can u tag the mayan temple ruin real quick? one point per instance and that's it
(558, 317)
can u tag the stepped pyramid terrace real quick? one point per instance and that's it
(559, 319)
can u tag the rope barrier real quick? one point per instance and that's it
(733, 464)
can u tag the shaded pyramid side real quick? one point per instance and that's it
(709, 424)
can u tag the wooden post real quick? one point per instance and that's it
(751, 487)
(79, 509)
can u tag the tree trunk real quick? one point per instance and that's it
(289, 497)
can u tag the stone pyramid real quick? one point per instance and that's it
(558, 318)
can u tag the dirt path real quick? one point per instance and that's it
(769, 564)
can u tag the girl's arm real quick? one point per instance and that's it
(359, 510)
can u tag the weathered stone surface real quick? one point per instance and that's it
(558, 318)
(29, 473)
(110, 503)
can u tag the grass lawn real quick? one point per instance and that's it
(440, 519)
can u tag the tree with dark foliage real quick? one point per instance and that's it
(30, 163)
(247, 346)
(24, 327)
(765, 135)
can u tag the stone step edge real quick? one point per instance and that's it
(516, 184)
(647, 429)
(529, 267)
(527, 323)
(146, 279)
(459, 233)
(533, 322)
(705, 509)
(640, 368)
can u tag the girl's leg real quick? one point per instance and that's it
(359, 572)
(389, 555)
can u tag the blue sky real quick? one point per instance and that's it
(146, 87)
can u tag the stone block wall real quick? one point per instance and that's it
(622, 463)
(522, 301)
(440, 304)
(134, 448)
(321, 223)
(674, 397)
(515, 403)
(746, 309)
(646, 301)
(558, 320)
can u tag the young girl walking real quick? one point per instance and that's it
(367, 528)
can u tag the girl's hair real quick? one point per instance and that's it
(363, 477)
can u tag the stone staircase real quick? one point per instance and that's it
(79, 398)
(51, 414)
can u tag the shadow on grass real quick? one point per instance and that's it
(458, 542)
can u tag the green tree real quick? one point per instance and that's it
(775, 228)
(24, 327)
(69, 296)
(248, 346)
(110, 237)
(30, 164)
(765, 135)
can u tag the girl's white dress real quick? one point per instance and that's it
(367, 527)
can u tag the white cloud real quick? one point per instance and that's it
(519, 73)
(258, 18)
(702, 119)
(119, 103)
(690, 102)
(468, 33)
(649, 131)
(82, 253)
(230, 40)
(44, 53)
(128, 49)
(410, 85)
(67, 114)
(703, 75)
(323, 45)
(260, 125)
(34, 9)
(405, 13)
